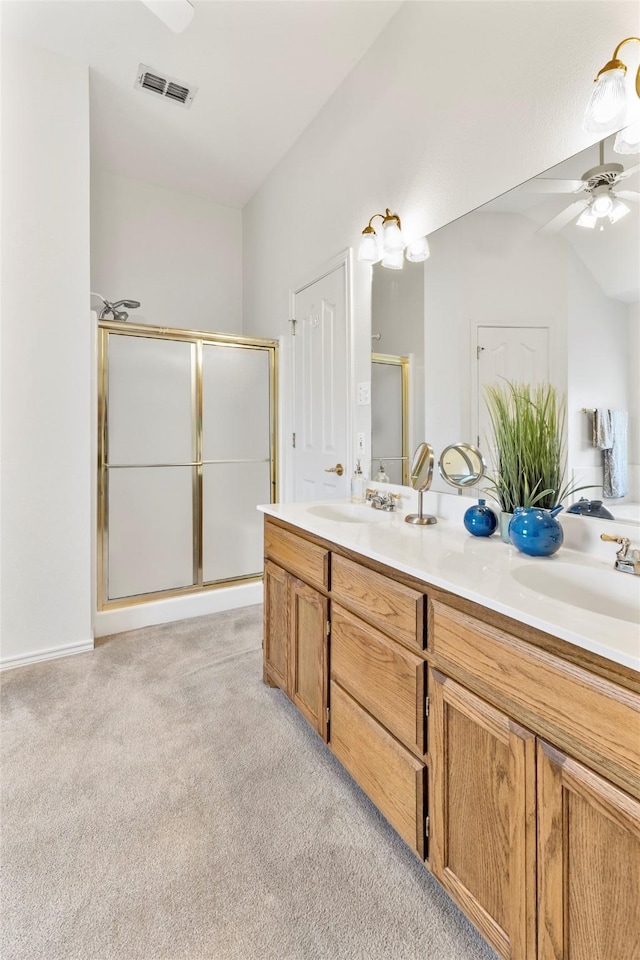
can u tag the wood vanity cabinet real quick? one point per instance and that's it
(276, 640)
(388, 773)
(483, 814)
(588, 863)
(541, 850)
(516, 780)
(370, 699)
(295, 643)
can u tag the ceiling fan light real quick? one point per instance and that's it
(418, 250)
(607, 105)
(602, 204)
(368, 249)
(394, 260)
(628, 140)
(618, 210)
(587, 219)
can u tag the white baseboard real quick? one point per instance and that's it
(52, 653)
(108, 622)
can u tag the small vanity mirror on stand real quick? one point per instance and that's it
(461, 465)
(420, 476)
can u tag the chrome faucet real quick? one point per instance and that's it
(382, 501)
(625, 562)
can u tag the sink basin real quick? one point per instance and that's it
(347, 513)
(604, 590)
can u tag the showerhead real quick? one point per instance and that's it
(122, 314)
(112, 308)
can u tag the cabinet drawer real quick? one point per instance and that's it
(306, 559)
(588, 716)
(384, 677)
(390, 776)
(394, 608)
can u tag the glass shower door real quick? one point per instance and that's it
(150, 466)
(186, 452)
(236, 459)
(389, 416)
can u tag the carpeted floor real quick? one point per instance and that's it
(160, 803)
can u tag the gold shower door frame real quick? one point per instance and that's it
(403, 363)
(107, 328)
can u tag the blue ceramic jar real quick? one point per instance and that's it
(480, 520)
(535, 531)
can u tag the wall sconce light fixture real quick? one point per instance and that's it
(391, 247)
(610, 102)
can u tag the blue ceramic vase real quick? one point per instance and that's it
(536, 531)
(480, 520)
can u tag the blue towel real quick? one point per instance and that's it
(610, 436)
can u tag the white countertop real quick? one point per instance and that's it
(482, 569)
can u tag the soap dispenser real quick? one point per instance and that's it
(381, 475)
(357, 485)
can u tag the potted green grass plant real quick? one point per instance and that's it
(527, 423)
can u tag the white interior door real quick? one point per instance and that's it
(520, 354)
(320, 388)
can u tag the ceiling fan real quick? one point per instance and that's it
(598, 199)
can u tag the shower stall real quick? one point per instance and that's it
(186, 450)
(390, 416)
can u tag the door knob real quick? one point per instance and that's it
(339, 469)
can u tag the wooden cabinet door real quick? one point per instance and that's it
(482, 814)
(588, 863)
(276, 626)
(308, 660)
(387, 772)
(384, 677)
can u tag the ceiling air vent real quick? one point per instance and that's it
(152, 81)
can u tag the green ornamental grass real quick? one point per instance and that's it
(528, 428)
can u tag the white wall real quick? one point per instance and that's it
(597, 364)
(45, 382)
(179, 255)
(455, 104)
(492, 268)
(397, 307)
(633, 372)
(633, 321)
(485, 269)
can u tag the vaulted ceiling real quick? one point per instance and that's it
(611, 252)
(263, 70)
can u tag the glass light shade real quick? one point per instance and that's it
(587, 219)
(607, 105)
(602, 205)
(392, 240)
(393, 260)
(368, 250)
(618, 210)
(418, 250)
(628, 140)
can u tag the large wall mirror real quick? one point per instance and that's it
(518, 289)
(397, 369)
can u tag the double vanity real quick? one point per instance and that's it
(495, 725)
